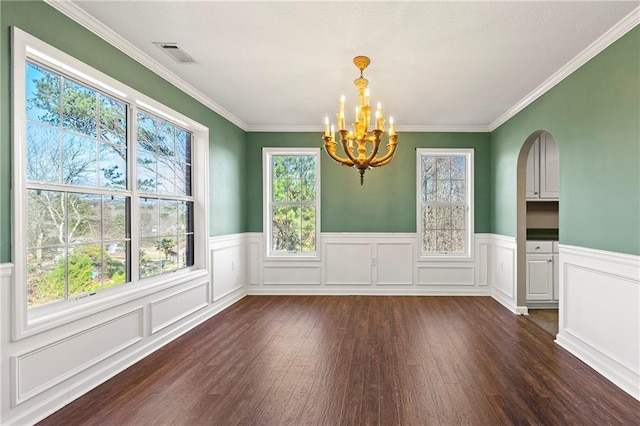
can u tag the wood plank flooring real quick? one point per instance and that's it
(350, 360)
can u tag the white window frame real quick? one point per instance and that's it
(469, 235)
(27, 322)
(267, 174)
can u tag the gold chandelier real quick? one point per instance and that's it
(360, 134)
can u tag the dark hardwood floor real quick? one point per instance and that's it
(357, 360)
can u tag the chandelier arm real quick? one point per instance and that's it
(376, 146)
(343, 137)
(389, 155)
(330, 146)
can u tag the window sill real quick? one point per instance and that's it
(293, 258)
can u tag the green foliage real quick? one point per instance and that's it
(165, 245)
(294, 212)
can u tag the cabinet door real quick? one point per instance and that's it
(556, 277)
(533, 171)
(539, 277)
(549, 168)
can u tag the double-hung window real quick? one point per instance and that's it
(445, 202)
(103, 185)
(291, 201)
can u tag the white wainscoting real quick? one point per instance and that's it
(502, 270)
(367, 263)
(600, 312)
(43, 372)
(228, 264)
(34, 372)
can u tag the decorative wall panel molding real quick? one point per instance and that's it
(600, 312)
(228, 264)
(367, 263)
(40, 369)
(502, 271)
(178, 305)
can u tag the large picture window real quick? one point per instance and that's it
(445, 194)
(103, 184)
(292, 201)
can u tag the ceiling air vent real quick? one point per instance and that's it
(175, 52)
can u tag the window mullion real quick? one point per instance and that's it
(134, 210)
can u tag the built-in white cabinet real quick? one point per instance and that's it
(543, 172)
(542, 272)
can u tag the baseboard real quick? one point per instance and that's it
(334, 291)
(601, 362)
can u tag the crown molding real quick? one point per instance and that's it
(625, 25)
(452, 128)
(404, 129)
(76, 13)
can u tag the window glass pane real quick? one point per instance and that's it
(279, 189)
(181, 179)
(45, 275)
(79, 161)
(294, 191)
(429, 241)
(166, 177)
(43, 153)
(458, 218)
(443, 168)
(150, 262)
(146, 171)
(84, 217)
(443, 191)
(183, 146)
(114, 218)
(114, 267)
(80, 108)
(113, 121)
(458, 167)
(457, 191)
(43, 95)
(167, 246)
(113, 166)
(45, 218)
(84, 269)
(168, 217)
(149, 217)
(146, 133)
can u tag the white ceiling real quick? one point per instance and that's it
(284, 65)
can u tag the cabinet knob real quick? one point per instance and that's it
(538, 248)
(535, 193)
(550, 260)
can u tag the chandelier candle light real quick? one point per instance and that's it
(360, 134)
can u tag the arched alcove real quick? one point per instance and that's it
(550, 145)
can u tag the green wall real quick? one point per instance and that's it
(387, 201)
(227, 141)
(594, 116)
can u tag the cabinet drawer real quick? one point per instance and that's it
(539, 246)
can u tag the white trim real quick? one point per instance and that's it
(313, 128)
(625, 25)
(6, 270)
(78, 14)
